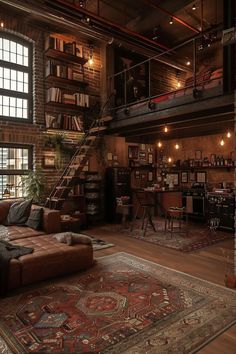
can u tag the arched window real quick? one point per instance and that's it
(15, 78)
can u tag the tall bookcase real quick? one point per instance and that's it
(66, 97)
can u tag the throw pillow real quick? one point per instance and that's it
(19, 212)
(71, 238)
(35, 219)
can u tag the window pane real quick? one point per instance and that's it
(14, 159)
(13, 52)
(16, 105)
(13, 80)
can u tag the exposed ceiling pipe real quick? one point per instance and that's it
(106, 22)
(177, 19)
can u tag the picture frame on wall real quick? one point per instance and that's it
(49, 161)
(201, 176)
(150, 176)
(184, 177)
(198, 154)
(133, 152)
(150, 158)
(142, 155)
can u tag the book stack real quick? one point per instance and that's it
(71, 48)
(82, 99)
(54, 94)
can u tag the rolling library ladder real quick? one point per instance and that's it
(72, 174)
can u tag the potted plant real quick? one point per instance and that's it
(33, 185)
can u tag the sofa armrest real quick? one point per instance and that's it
(51, 220)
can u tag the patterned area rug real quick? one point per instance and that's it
(123, 304)
(195, 240)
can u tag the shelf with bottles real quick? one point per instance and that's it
(63, 49)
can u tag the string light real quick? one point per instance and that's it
(159, 144)
(222, 142)
(177, 146)
(166, 129)
(228, 134)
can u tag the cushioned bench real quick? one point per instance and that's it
(49, 259)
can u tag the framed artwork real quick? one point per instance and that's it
(192, 177)
(109, 156)
(49, 161)
(184, 177)
(150, 158)
(142, 155)
(150, 176)
(198, 154)
(173, 177)
(133, 152)
(201, 177)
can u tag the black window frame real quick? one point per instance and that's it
(26, 69)
(17, 172)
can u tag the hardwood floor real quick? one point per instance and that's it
(207, 263)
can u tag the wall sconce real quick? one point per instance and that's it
(90, 61)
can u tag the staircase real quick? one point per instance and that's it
(72, 174)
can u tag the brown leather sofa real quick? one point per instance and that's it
(50, 257)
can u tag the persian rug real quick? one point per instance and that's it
(124, 304)
(195, 240)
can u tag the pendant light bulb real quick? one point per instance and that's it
(171, 21)
(194, 7)
(2, 24)
(188, 63)
(177, 146)
(166, 129)
(222, 142)
(169, 159)
(159, 144)
(228, 134)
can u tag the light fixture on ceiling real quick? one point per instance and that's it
(228, 134)
(171, 21)
(194, 7)
(159, 144)
(222, 142)
(176, 146)
(166, 129)
(90, 61)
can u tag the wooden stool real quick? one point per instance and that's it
(145, 203)
(176, 214)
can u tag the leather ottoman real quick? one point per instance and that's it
(51, 258)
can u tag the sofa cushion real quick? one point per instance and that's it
(19, 212)
(35, 219)
(19, 232)
(72, 238)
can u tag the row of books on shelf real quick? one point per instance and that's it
(54, 94)
(62, 71)
(64, 121)
(69, 47)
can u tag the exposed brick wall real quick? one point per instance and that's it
(164, 78)
(34, 134)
